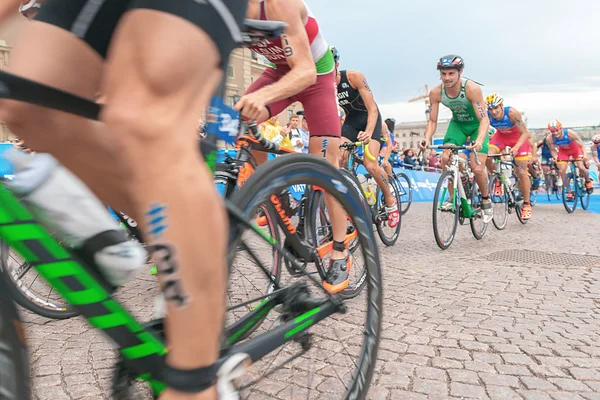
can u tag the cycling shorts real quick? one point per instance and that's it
(319, 101)
(95, 21)
(458, 135)
(565, 154)
(501, 140)
(351, 129)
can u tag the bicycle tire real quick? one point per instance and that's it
(307, 169)
(25, 297)
(443, 244)
(475, 201)
(499, 222)
(380, 222)
(565, 190)
(14, 359)
(584, 197)
(406, 199)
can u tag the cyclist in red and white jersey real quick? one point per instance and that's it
(304, 72)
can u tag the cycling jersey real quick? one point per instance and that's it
(566, 148)
(95, 21)
(464, 123)
(507, 135)
(546, 154)
(273, 51)
(357, 114)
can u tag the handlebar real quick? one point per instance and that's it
(267, 144)
(350, 146)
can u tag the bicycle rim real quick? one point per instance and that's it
(341, 365)
(444, 222)
(499, 205)
(29, 289)
(405, 192)
(387, 234)
(478, 228)
(569, 184)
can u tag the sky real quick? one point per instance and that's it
(543, 57)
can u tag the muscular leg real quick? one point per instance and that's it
(480, 173)
(378, 174)
(583, 170)
(524, 184)
(562, 170)
(50, 55)
(151, 115)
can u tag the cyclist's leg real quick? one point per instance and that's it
(522, 159)
(151, 114)
(496, 146)
(346, 133)
(479, 169)
(321, 111)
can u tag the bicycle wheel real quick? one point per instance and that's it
(387, 234)
(14, 362)
(328, 345)
(28, 289)
(569, 185)
(445, 219)
(478, 227)
(584, 196)
(405, 191)
(321, 236)
(499, 204)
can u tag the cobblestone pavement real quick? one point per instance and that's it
(514, 316)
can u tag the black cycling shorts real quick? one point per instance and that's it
(94, 21)
(350, 129)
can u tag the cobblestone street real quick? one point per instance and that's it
(513, 316)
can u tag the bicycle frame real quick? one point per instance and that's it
(466, 210)
(80, 285)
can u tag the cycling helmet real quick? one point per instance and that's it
(596, 139)
(29, 7)
(451, 61)
(391, 124)
(336, 54)
(554, 125)
(494, 100)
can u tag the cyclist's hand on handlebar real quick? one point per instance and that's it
(252, 106)
(423, 145)
(514, 152)
(364, 137)
(476, 146)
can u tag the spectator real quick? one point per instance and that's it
(272, 131)
(410, 160)
(297, 135)
(433, 161)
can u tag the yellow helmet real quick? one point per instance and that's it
(494, 100)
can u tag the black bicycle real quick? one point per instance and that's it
(264, 335)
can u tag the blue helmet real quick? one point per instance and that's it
(336, 54)
(451, 61)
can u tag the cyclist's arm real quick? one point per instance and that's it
(8, 7)
(574, 136)
(434, 99)
(358, 81)
(475, 96)
(552, 147)
(515, 117)
(296, 47)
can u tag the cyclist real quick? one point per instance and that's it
(363, 123)
(510, 132)
(547, 163)
(565, 144)
(304, 72)
(469, 121)
(153, 101)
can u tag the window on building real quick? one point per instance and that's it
(290, 112)
(412, 144)
(404, 144)
(230, 71)
(404, 135)
(230, 101)
(254, 56)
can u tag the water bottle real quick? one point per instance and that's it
(366, 189)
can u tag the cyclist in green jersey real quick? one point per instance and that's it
(469, 121)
